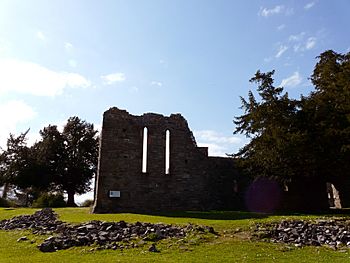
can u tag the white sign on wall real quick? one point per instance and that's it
(114, 194)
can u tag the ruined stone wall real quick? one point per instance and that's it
(306, 194)
(227, 186)
(194, 178)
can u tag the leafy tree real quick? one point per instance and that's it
(50, 153)
(3, 167)
(60, 161)
(14, 162)
(20, 169)
(71, 156)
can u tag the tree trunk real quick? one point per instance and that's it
(5, 190)
(70, 201)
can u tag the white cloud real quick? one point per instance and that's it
(292, 81)
(40, 35)
(310, 43)
(301, 44)
(163, 63)
(31, 78)
(98, 127)
(297, 47)
(156, 83)
(113, 78)
(72, 63)
(281, 50)
(289, 11)
(4, 46)
(218, 144)
(214, 149)
(309, 5)
(134, 89)
(13, 113)
(68, 46)
(265, 12)
(32, 137)
(281, 27)
(296, 38)
(307, 45)
(213, 136)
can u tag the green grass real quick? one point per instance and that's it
(233, 244)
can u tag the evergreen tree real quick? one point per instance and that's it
(269, 123)
(305, 140)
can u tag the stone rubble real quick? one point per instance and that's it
(106, 235)
(334, 233)
(41, 222)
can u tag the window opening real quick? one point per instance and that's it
(167, 152)
(144, 150)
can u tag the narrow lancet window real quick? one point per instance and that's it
(167, 152)
(144, 150)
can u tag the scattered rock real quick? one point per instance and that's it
(334, 233)
(22, 239)
(41, 222)
(153, 248)
(47, 247)
(105, 234)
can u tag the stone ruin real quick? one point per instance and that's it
(152, 163)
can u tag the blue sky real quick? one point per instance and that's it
(63, 58)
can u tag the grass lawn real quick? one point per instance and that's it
(233, 244)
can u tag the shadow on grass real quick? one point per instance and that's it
(240, 215)
(213, 215)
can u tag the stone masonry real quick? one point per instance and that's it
(194, 181)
